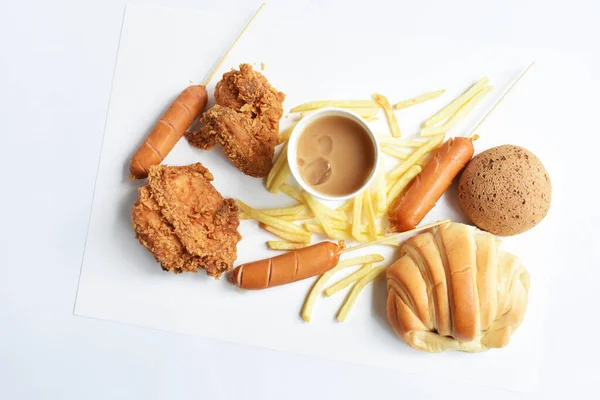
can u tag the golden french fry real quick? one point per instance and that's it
(284, 245)
(279, 162)
(424, 160)
(402, 183)
(316, 289)
(356, 289)
(321, 217)
(365, 113)
(457, 103)
(371, 119)
(294, 193)
(291, 236)
(280, 178)
(341, 234)
(285, 135)
(416, 156)
(299, 217)
(321, 208)
(389, 113)
(395, 142)
(380, 190)
(347, 206)
(419, 99)
(277, 212)
(399, 154)
(347, 226)
(337, 234)
(457, 117)
(270, 220)
(243, 215)
(356, 216)
(353, 277)
(370, 215)
(314, 105)
(433, 130)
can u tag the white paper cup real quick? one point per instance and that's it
(293, 148)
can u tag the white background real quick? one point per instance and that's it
(55, 75)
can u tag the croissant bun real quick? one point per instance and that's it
(453, 288)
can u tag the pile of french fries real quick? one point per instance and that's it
(362, 219)
(360, 278)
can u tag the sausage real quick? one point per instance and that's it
(289, 267)
(168, 130)
(427, 188)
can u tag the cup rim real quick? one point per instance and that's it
(292, 150)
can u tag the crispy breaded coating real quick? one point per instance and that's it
(245, 120)
(185, 222)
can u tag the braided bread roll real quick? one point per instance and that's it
(453, 288)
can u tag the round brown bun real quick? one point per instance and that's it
(505, 190)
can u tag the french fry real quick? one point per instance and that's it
(289, 217)
(318, 286)
(424, 160)
(284, 245)
(291, 236)
(457, 103)
(457, 117)
(419, 99)
(370, 215)
(365, 112)
(416, 156)
(270, 220)
(281, 177)
(321, 217)
(380, 190)
(340, 234)
(402, 183)
(399, 154)
(389, 113)
(293, 192)
(371, 119)
(356, 216)
(277, 212)
(337, 234)
(347, 226)
(279, 162)
(347, 206)
(285, 135)
(353, 277)
(319, 208)
(356, 289)
(361, 112)
(395, 142)
(314, 105)
(300, 217)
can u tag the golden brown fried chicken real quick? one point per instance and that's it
(185, 222)
(245, 140)
(245, 121)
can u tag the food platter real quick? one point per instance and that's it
(121, 282)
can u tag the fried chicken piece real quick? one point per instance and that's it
(245, 120)
(186, 224)
(201, 140)
(244, 140)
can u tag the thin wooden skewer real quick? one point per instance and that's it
(474, 131)
(421, 228)
(222, 60)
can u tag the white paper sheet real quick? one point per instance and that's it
(161, 50)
